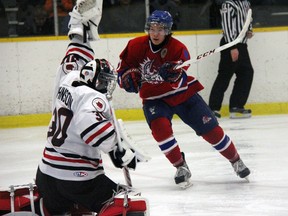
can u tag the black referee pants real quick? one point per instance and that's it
(227, 68)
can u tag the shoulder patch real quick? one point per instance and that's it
(164, 52)
(69, 63)
(67, 67)
(99, 104)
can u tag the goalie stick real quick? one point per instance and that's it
(125, 168)
(225, 46)
(124, 138)
(128, 140)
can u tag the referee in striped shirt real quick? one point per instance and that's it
(234, 60)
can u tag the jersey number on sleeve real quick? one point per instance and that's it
(59, 126)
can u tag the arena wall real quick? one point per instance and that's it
(28, 67)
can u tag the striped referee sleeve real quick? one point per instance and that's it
(233, 14)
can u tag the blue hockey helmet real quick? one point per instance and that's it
(163, 18)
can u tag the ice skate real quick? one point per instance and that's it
(85, 18)
(183, 175)
(236, 113)
(216, 113)
(241, 170)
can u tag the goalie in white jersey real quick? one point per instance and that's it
(71, 170)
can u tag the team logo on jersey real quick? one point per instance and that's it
(67, 67)
(99, 104)
(149, 73)
(164, 53)
(206, 119)
(152, 110)
(69, 64)
(80, 174)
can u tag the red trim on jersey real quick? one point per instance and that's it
(81, 51)
(100, 131)
(138, 54)
(56, 158)
(171, 96)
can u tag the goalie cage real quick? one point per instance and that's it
(19, 200)
(24, 200)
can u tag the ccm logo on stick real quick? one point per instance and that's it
(206, 54)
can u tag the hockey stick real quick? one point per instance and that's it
(125, 168)
(130, 143)
(225, 46)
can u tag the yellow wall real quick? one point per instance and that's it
(131, 115)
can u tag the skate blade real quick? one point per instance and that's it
(247, 179)
(240, 115)
(185, 185)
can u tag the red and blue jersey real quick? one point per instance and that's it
(139, 54)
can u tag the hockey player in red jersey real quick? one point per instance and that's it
(148, 66)
(82, 126)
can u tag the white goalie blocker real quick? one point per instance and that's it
(85, 19)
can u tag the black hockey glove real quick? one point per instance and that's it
(169, 73)
(125, 158)
(131, 80)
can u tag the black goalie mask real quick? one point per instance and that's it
(99, 74)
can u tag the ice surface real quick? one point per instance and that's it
(216, 191)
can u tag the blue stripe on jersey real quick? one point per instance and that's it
(223, 144)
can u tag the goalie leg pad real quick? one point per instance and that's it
(19, 197)
(132, 206)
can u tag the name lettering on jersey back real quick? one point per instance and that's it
(65, 96)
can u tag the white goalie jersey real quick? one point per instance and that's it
(77, 55)
(80, 128)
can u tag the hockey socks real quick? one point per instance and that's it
(222, 143)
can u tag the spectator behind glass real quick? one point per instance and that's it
(124, 16)
(41, 24)
(214, 13)
(35, 21)
(167, 5)
(63, 8)
(25, 18)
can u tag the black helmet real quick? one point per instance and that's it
(99, 74)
